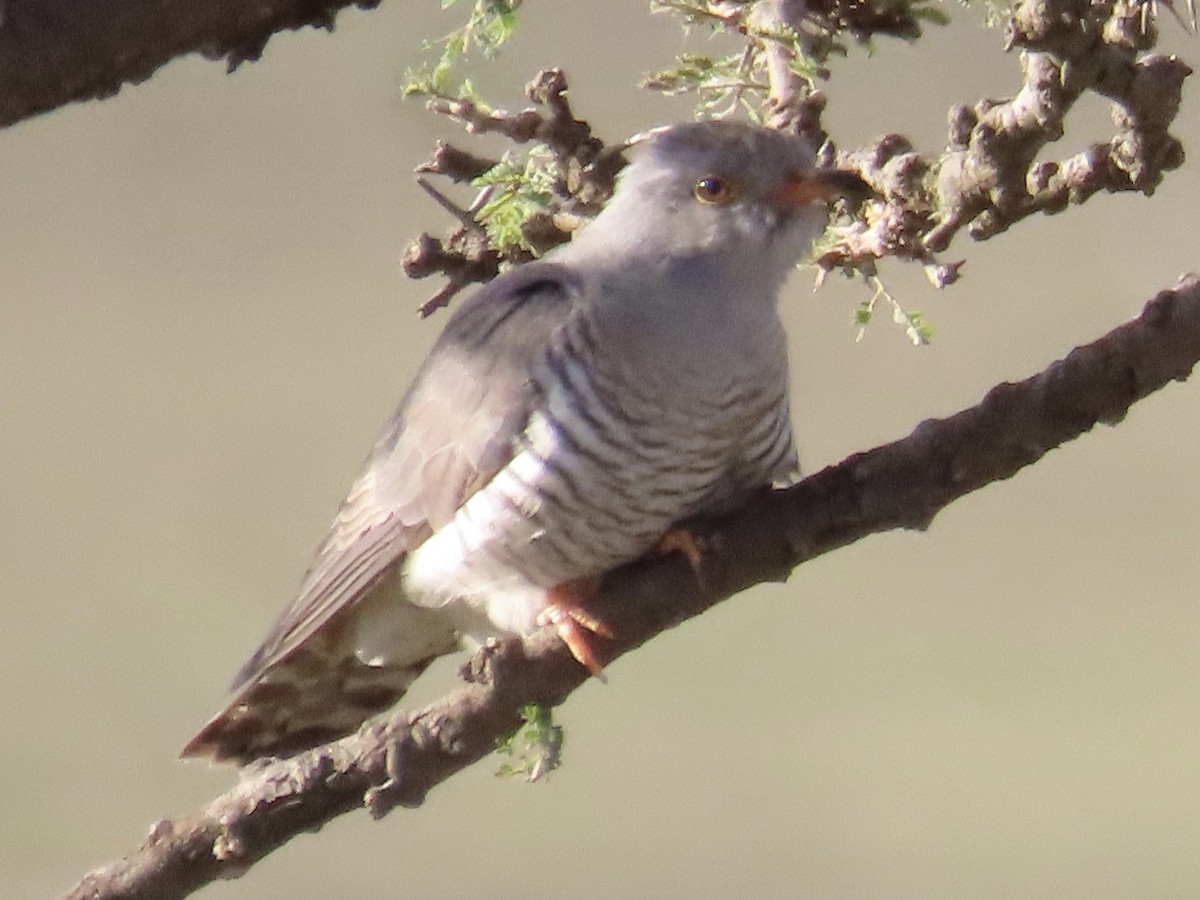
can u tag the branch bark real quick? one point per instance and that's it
(53, 52)
(395, 760)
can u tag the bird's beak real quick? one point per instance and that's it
(821, 186)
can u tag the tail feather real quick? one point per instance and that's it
(300, 702)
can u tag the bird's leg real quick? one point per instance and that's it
(682, 540)
(572, 622)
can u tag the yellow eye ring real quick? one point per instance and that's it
(713, 189)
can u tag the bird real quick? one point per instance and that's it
(571, 414)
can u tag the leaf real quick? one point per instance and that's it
(916, 327)
(535, 748)
(919, 331)
(521, 187)
(699, 12)
(490, 24)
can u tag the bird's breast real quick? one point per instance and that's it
(625, 440)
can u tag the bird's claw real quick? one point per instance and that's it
(683, 540)
(573, 624)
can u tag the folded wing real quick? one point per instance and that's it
(350, 644)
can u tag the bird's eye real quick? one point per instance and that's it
(712, 189)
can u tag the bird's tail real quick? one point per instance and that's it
(307, 699)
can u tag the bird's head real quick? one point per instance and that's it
(722, 189)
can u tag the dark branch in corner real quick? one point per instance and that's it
(53, 52)
(394, 761)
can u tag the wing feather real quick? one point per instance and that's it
(452, 432)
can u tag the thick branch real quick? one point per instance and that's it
(55, 51)
(395, 761)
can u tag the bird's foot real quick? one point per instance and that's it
(573, 623)
(682, 540)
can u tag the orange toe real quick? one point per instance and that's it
(574, 624)
(682, 540)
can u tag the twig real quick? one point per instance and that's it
(457, 165)
(464, 216)
(585, 172)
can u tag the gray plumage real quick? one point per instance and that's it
(571, 412)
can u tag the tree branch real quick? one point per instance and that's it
(586, 172)
(989, 177)
(53, 52)
(395, 760)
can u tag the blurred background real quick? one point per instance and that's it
(204, 323)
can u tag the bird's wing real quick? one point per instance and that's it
(453, 431)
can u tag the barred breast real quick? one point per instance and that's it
(621, 446)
